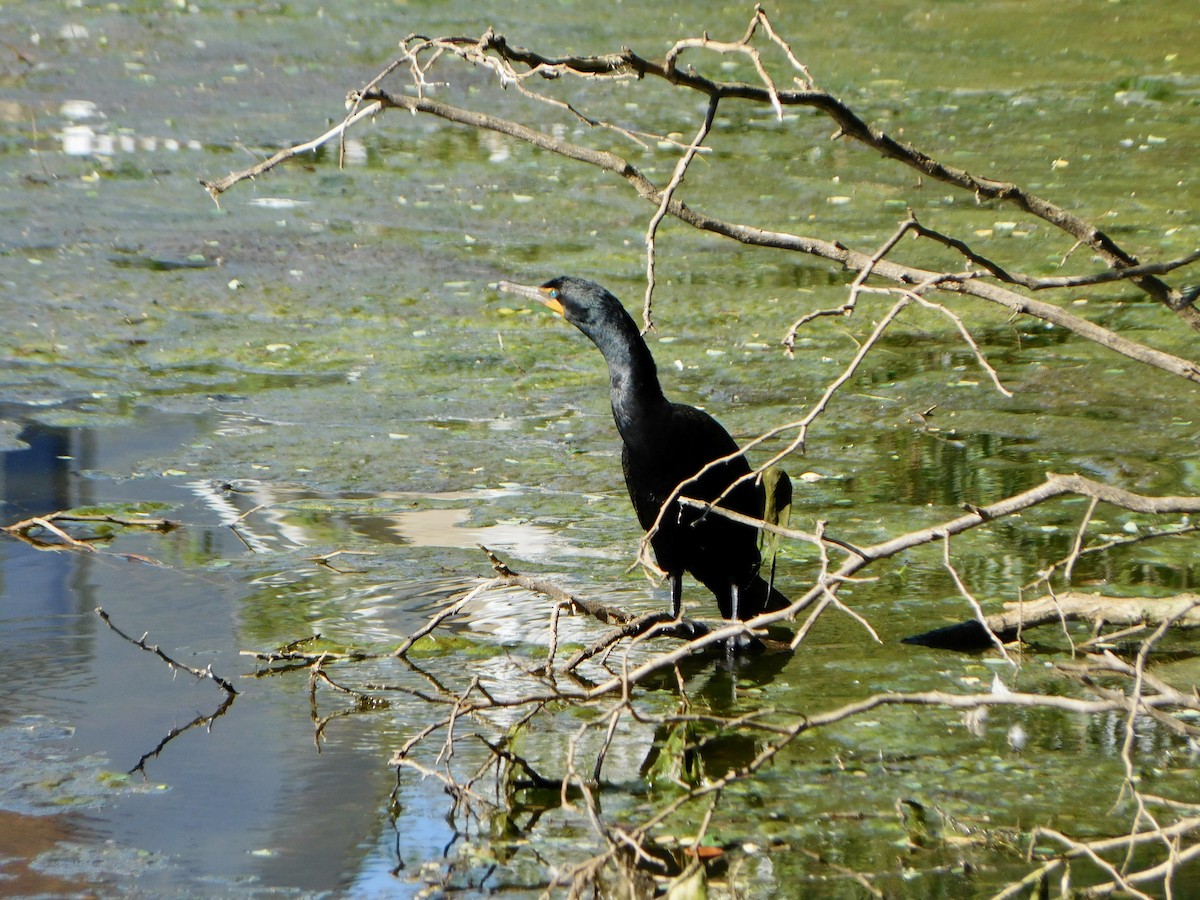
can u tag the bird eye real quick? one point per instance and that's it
(554, 293)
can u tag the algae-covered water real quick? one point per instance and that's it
(320, 364)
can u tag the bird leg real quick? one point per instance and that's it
(742, 642)
(676, 580)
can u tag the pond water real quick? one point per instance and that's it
(320, 365)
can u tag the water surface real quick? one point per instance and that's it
(319, 366)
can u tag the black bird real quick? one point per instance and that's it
(665, 444)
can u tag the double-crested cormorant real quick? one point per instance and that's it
(666, 444)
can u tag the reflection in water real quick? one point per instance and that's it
(944, 470)
(385, 610)
(50, 473)
(233, 505)
(36, 477)
(33, 480)
(287, 509)
(90, 134)
(253, 781)
(447, 528)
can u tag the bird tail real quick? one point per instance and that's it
(761, 595)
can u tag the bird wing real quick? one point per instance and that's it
(684, 441)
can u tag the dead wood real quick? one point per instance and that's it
(1181, 611)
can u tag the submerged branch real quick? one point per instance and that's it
(1181, 611)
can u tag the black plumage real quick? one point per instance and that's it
(665, 444)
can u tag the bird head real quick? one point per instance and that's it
(583, 303)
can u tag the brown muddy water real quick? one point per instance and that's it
(320, 365)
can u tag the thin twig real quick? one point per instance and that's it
(201, 674)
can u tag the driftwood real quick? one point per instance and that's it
(33, 530)
(1179, 611)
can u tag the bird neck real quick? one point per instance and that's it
(636, 394)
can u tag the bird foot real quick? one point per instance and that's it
(743, 644)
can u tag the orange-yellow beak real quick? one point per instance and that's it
(540, 294)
